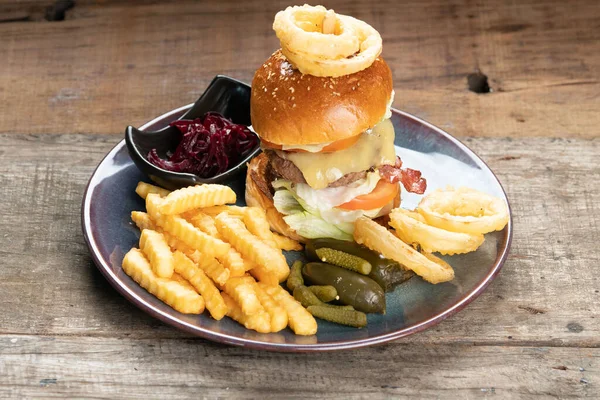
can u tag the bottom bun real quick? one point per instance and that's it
(258, 195)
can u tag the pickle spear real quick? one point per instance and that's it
(354, 289)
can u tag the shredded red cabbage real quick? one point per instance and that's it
(210, 146)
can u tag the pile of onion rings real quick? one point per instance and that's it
(321, 43)
(450, 221)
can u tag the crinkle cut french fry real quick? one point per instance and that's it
(285, 243)
(143, 189)
(234, 211)
(257, 223)
(213, 269)
(279, 317)
(251, 247)
(204, 222)
(155, 248)
(194, 255)
(153, 201)
(142, 220)
(202, 283)
(192, 197)
(176, 244)
(248, 265)
(194, 237)
(234, 262)
(258, 322)
(262, 275)
(172, 293)
(184, 282)
(300, 320)
(242, 291)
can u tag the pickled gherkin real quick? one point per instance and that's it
(340, 245)
(345, 317)
(295, 278)
(306, 297)
(344, 260)
(325, 293)
(389, 274)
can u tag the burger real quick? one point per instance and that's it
(328, 149)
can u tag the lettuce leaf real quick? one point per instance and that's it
(311, 226)
(311, 222)
(286, 203)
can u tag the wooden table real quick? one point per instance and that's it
(69, 87)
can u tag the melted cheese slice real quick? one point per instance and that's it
(372, 148)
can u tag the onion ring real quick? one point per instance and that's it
(381, 240)
(411, 228)
(306, 41)
(464, 210)
(300, 29)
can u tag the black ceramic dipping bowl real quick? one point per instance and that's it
(226, 96)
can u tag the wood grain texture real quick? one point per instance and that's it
(113, 63)
(67, 86)
(547, 294)
(107, 368)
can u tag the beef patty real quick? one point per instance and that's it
(285, 169)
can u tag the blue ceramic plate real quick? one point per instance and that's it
(414, 306)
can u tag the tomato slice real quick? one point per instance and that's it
(331, 147)
(383, 193)
(340, 144)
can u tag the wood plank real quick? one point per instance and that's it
(112, 63)
(176, 369)
(547, 293)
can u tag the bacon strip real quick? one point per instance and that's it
(411, 178)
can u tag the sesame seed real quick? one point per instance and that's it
(292, 89)
(275, 89)
(330, 86)
(308, 88)
(293, 98)
(353, 87)
(274, 108)
(294, 105)
(265, 89)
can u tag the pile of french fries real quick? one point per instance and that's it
(197, 252)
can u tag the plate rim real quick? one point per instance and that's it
(205, 333)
